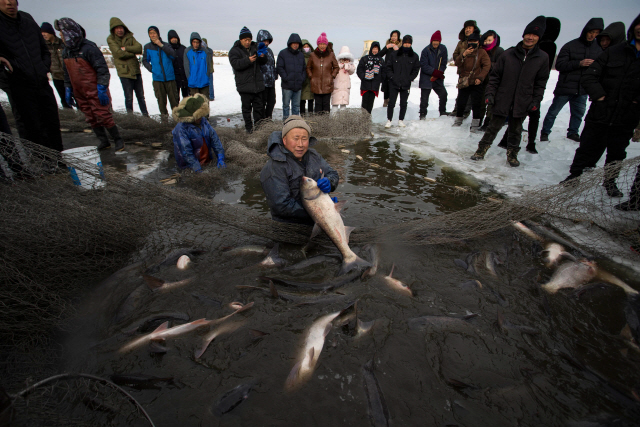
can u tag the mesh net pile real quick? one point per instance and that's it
(57, 239)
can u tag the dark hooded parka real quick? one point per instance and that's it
(281, 177)
(568, 62)
(547, 42)
(401, 68)
(371, 70)
(518, 80)
(125, 61)
(615, 74)
(248, 74)
(291, 66)
(178, 62)
(268, 69)
(615, 31)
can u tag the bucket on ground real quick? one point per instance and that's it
(89, 176)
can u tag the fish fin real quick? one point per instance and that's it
(479, 284)
(293, 375)
(272, 288)
(152, 282)
(200, 351)
(347, 232)
(393, 266)
(245, 307)
(568, 256)
(610, 278)
(327, 329)
(340, 205)
(316, 231)
(357, 263)
(161, 328)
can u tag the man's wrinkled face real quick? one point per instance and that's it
(195, 44)
(468, 30)
(297, 141)
(591, 35)
(153, 35)
(530, 40)
(435, 44)
(295, 46)
(246, 42)
(119, 30)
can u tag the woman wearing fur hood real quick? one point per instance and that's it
(342, 82)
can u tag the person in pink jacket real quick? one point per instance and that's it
(342, 82)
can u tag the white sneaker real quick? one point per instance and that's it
(388, 125)
(401, 124)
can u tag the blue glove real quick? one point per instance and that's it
(335, 199)
(221, 163)
(68, 97)
(325, 185)
(262, 49)
(102, 95)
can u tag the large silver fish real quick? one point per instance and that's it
(576, 274)
(326, 214)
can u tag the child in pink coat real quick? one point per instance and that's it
(342, 82)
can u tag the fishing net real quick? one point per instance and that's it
(76, 400)
(57, 239)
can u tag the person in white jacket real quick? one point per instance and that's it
(342, 82)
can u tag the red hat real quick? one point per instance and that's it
(436, 37)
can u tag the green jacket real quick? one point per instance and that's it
(55, 49)
(126, 61)
(306, 86)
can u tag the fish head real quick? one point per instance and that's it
(307, 184)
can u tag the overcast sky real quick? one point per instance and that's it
(345, 22)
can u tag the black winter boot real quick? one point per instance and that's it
(612, 188)
(480, 152)
(531, 148)
(512, 157)
(102, 136)
(115, 134)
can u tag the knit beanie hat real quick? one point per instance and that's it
(537, 26)
(407, 39)
(293, 122)
(47, 28)
(436, 37)
(322, 39)
(245, 33)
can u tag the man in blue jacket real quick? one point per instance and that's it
(573, 60)
(293, 71)
(196, 66)
(195, 143)
(433, 62)
(157, 58)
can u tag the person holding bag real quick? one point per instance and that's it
(473, 66)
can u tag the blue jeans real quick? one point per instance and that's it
(577, 105)
(212, 95)
(293, 98)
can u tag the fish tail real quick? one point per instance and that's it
(355, 263)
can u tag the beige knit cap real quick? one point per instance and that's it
(293, 122)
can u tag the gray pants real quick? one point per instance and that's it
(164, 90)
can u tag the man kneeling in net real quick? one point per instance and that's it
(290, 158)
(195, 143)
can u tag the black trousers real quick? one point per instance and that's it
(424, 99)
(59, 85)
(38, 109)
(514, 131)
(367, 100)
(393, 97)
(134, 85)
(309, 102)
(184, 91)
(475, 93)
(269, 100)
(323, 102)
(385, 88)
(594, 140)
(4, 124)
(532, 130)
(252, 102)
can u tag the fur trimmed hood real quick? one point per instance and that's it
(191, 109)
(345, 53)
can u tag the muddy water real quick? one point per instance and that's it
(468, 373)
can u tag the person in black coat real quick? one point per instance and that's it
(29, 60)
(393, 44)
(433, 63)
(516, 87)
(401, 69)
(490, 42)
(292, 70)
(613, 84)
(246, 63)
(573, 60)
(182, 82)
(371, 73)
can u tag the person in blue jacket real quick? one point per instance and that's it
(195, 143)
(196, 65)
(157, 58)
(433, 62)
(269, 73)
(292, 68)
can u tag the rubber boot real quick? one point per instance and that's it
(475, 125)
(612, 188)
(457, 122)
(102, 136)
(531, 148)
(503, 141)
(480, 152)
(570, 181)
(115, 135)
(512, 157)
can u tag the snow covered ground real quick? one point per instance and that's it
(430, 139)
